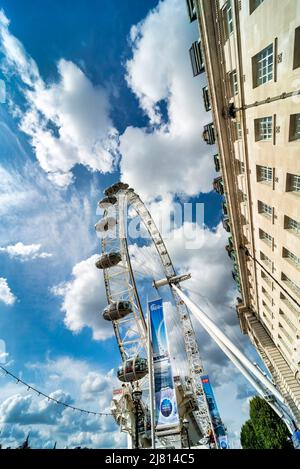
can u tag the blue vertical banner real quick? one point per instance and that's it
(296, 439)
(218, 425)
(166, 411)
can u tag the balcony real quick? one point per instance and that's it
(196, 57)
(218, 185)
(209, 134)
(224, 207)
(206, 98)
(229, 248)
(191, 10)
(226, 224)
(232, 255)
(236, 278)
(217, 162)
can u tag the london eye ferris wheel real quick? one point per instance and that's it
(134, 269)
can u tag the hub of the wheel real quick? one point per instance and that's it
(168, 281)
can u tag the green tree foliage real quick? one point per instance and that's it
(264, 429)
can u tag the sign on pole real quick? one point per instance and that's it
(218, 425)
(166, 412)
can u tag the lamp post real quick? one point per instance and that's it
(185, 424)
(136, 396)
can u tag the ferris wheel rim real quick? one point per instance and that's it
(194, 362)
(134, 200)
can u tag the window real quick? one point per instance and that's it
(296, 62)
(218, 185)
(254, 4)
(233, 81)
(191, 10)
(228, 19)
(239, 131)
(209, 134)
(283, 331)
(265, 209)
(263, 128)
(196, 58)
(240, 166)
(287, 320)
(262, 66)
(294, 127)
(287, 352)
(264, 174)
(292, 307)
(265, 277)
(217, 162)
(291, 257)
(292, 225)
(265, 259)
(267, 295)
(267, 308)
(265, 237)
(290, 284)
(293, 183)
(206, 98)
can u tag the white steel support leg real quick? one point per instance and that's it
(288, 419)
(214, 331)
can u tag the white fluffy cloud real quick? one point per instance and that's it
(6, 295)
(171, 156)
(67, 121)
(25, 251)
(83, 300)
(36, 211)
(48, 422)
(19, 409)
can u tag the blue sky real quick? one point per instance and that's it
(95, 91)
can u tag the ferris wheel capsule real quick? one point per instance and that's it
(117, 310)
(116, 188)
(108, 260)
(133, 369)
(105, 224)
(107, 201)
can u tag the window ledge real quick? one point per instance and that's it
(293, 193)
(263, 214)
(266, 183)
(291, 263)
(289, 230)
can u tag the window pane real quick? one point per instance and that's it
(229, 17)
(263, 62)
(293, 183)
(263, 128)
(296, 62)
(295, 127)
(254, 4)
(293, 225)
(196, 58)
(206, 98)
(234, 89)
(264, 208)
(265, 259)
(264, 174)
(291, 284)
(265, 237)
(291, 257)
